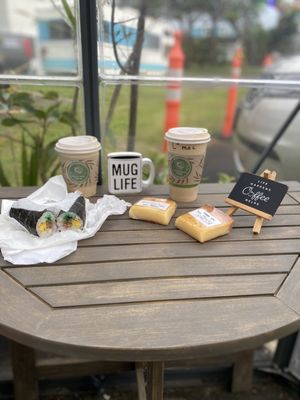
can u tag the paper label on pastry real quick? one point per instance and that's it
(154, 204)
(204, 217)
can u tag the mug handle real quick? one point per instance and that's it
(149, 181)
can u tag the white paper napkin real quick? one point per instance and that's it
(20, 247)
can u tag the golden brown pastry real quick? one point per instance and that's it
(205, 223)
(153, 209)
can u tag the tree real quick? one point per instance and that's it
(280, 37)
(242, 14)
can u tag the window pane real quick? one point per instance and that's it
(200, 106)
(119, 33)
(32, 118)
(259, 117)
(224, 38)
(38, 37)
(257, 41)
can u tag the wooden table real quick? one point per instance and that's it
(148, 293)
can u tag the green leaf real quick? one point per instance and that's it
(53, 111)
(9, 122)
(70, 15)
(24, 159)
(21, 97)
(68, 118)
(34, 164)
(23, 100)
(3, 180)
(40, 114)
(49, 148)
(51, 95)
(55, 169)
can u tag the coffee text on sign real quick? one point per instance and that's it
(248, 191)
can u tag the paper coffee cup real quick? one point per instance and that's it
(79, 156)
(186, 155)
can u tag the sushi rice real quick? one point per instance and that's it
(69, 220)
(38, 223)
(73, 219)
(46, 225)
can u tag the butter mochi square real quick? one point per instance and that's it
(205, 223)
(153, 209)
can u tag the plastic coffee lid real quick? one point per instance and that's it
(187, 135)
(78, 144)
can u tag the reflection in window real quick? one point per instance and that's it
(56, 45)
(58, 29)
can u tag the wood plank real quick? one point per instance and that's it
(62, 367)
(239, 221)
(168, 330)
(178, 250)
(251, 210)
(158, 289)
(210, 188)
(216, 199)
(290, 291)
(16, 192)
(101, 272)
(177, 236)
(155, 380)
(277, 220)
(15, 300)
(205, 188)
(25, 374)
(242, 372)
(295, 195)
(284, 209)
(163, 190)
(294, 186)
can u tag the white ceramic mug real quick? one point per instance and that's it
(125, 172)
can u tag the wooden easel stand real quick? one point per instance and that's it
(259, 220)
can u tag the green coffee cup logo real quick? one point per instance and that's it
(180, 167)
(78, 172)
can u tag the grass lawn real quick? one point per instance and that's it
(201, 106)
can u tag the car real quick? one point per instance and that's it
(16, 52)
(259, 117)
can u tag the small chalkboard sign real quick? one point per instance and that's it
(257, 195)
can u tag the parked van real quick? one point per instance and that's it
(260, 116)
(16, 52)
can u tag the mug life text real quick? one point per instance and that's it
(125, 172)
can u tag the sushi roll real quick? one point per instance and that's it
(38, 223)
(73, 219)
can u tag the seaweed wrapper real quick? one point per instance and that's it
(20, 247)
(38, 223)
(75, 217)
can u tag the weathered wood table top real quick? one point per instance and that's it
(144, 292)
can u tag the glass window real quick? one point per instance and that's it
(254, 42)
(234, 68)
(40, 87)
(38, 37)
(32, 118)
(59, 29)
